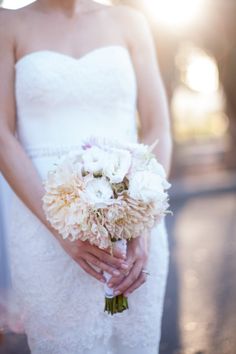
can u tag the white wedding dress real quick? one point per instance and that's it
(61, 101)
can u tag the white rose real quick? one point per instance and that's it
(117, 165)
(93, 159)
(98, 192)
(147, 187)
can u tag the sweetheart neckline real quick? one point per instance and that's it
(82, 57)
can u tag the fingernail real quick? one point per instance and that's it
(117, 292)
(110, 285)
(124, 266)
(116, 272)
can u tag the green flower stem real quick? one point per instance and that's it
(116, 304)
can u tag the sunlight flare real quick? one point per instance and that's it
(174, 13)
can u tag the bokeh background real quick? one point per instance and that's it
(196, 49)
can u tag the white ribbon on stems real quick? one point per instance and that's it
(120, 245)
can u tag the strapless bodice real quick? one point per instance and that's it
(62, 100)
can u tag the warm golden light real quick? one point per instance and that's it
(198, 101)
(202, 74)
(174, 13)
(197, 69)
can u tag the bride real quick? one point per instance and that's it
(72, 69)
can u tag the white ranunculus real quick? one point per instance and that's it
(117, 165)
(98, 192)
(93, 159)
(146, 186)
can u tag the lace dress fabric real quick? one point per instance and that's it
(61, 101)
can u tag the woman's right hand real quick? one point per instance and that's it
(87, 255)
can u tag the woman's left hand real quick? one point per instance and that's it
(137, 256)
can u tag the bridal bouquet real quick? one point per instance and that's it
(107, 193)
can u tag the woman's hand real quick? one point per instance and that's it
(86, 255)
(132, 277)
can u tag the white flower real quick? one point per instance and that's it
(64, 173)
(155, 167)
(139, 151)
(147, 187)
(83, 205)
(98, 192)
(93, 159)
(140, 158)
(117, 165)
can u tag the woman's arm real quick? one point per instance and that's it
(155, 124)
(17, 167)
(152, 100)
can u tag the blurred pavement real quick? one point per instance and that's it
(200, 307)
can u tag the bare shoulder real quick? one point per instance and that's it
(7, 21)
(132, 22)
(127, 13)
(12, 20)
(7, 30)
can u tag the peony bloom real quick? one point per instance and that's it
(146, 186)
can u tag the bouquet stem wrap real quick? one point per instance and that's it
(119, 303)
